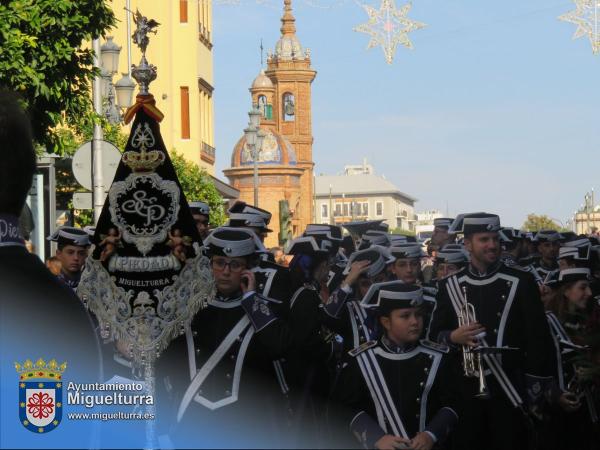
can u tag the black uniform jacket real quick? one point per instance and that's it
(542, 270)
(507, 303)
(344, 315)
(41, 318)
(386, 390)
(218, 380)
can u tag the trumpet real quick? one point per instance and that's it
(472, 360)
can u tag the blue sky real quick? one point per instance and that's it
(495, 109)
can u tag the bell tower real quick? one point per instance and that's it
(290, 71)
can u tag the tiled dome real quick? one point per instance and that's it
(276, 149)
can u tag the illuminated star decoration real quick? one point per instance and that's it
(388, 27)
(587, 18)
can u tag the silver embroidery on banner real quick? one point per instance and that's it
(129, 199)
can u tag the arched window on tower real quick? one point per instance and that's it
(265, 108)
(289, 107)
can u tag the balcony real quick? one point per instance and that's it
(204, 36)
(207, 153)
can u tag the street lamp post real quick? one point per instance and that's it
(255, 138)
(97, 179)
(118, 96)
(260, 137)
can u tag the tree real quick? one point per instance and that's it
(403, 232)
(537, 223)
(198, 186)
(42, 58)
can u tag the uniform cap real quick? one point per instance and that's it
(442, 222)
(396, 239)
(374, 237)
(310, 245)
(243, 207)
(408, 250)
(378, 257)
(199, 208)
(547, 236)
(240, 220)
(479, 222)
(362, 226)
(332, 232)
(509, 235)
(571, 275)
(233, 242)
(392, 295)
(452, 254)
(70, 236)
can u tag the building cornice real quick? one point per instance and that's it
(263, 170)
(279, 74)
(205, 86)
(394, 194)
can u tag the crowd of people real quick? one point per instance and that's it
(486, 338)
(366, 331)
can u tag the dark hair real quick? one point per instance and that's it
(348, 245)
(302, 268)
(17, 156)
(559, 304)
(386, 311)
(61, 245)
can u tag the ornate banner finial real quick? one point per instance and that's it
(143, 73)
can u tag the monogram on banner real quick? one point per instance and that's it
(136, 208)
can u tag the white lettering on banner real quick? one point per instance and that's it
(8, 230)
(148, 264)
(143, 283)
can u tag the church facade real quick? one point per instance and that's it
(282, 93)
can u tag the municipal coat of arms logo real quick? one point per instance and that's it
(40, 394)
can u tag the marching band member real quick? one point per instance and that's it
(548, 245)
(343, 313)
(450, 259)
(201, 214)
(574, 319)
(72, 251)
(407, 267)
(398, 392)
(507, 312)
(216, 374)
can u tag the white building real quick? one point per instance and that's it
(359, 194)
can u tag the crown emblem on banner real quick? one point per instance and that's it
(40, 369)
(143, 161)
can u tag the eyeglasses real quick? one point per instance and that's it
(234, 265)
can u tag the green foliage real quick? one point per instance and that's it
(537, 223)
(41, 58)
(403, 232)
(285, 223)
(197, 185)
